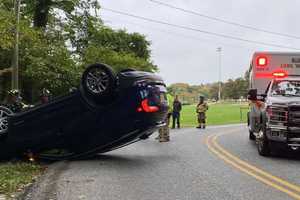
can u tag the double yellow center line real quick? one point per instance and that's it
(273, 181)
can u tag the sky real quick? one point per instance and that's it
(191, 57)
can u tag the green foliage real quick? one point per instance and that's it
(14, 176)
(231, 89)
(234, 89)
(122, 42)
(59, 38)
(117, 60)
(217, 114)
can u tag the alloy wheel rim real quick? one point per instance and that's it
(97, 81)
(3, 121)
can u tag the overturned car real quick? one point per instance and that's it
(106, 112)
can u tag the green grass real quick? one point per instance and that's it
(14, 176)
(217, 114)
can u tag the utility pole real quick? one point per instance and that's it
(219, 50)
(15, 60)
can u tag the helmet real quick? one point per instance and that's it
(45, 93)
(14, 92)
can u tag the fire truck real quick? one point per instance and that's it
(274, 96)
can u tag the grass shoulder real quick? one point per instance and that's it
(15, 176)
(217, 114)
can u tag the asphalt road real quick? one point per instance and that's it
(216, 163)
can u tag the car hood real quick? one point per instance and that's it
(283, 100)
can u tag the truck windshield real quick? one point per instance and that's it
(286, 88)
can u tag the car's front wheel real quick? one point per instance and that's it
(263, 144)
(99, 81)
(4, 114)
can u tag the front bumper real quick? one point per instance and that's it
(284, 134)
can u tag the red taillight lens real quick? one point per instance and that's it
(261, 61)
(146, 107)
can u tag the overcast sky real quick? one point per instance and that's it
(191, 57)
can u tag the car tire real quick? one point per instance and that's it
(4, 113)
(263, 144)
(98, 81)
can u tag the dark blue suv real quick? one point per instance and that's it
(106, 112)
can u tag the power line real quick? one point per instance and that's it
(199, 30)
(225, 21)
(172, 33)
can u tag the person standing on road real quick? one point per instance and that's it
(176, 112)
(201, 109)
(164, 132)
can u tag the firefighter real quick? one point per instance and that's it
(44, 96)
(176, 112)
(14, 101)
(164, 132)
(201, 109)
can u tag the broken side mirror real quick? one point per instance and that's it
(252, 94)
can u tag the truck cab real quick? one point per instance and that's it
(274, 99)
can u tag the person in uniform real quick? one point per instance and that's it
(176, 112)
(45, 95)
(164, 132)
(201, 109)
(14, 101)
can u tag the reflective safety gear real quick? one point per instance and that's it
(203, 107)
(45, 93)
(14, 92)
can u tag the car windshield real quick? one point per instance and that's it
(286, 88)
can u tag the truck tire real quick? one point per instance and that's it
(263, 143)
(251, 134)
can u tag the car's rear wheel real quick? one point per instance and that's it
(99, 81)
(4, 113)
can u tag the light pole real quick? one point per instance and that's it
(15, 60)
(219, 50)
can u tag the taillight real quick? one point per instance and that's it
(145, 107)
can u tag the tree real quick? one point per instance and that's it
(55, 48)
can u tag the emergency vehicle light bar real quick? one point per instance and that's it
(274, 74)
(280, 74)
(261, 61)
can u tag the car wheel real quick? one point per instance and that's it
(99, 80)
(263, 144)
(4, 113)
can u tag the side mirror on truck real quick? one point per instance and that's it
(252, 94)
